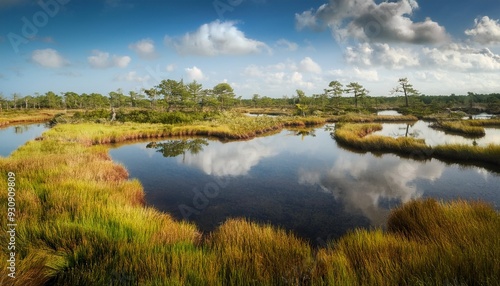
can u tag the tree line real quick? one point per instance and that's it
(176, 95)
(167, 95)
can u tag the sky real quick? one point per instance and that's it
(266, 47)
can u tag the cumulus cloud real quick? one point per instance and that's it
(133, 77)
(463, 58)
(287, 45)
(486, 31)
(170, 68)
(48, 58)
(303, 75)
(378, 54)
(308, 65)
(195, 73)
(216, 38)
(103, 60)
(229, 159)
(362, 185)
(369, 21)
(145, 49)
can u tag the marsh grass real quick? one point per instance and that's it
(367, 118)
(22, 116)
(251, 252)
(81, 221)
(461, 127)
(358, 136)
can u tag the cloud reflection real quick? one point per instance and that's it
(370, 185)
(230, 159)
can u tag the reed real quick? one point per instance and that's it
(250, 253)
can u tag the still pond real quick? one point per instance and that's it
(299, 180)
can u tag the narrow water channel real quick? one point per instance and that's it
(13, 137)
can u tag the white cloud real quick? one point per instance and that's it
(308, 65)
(170, 68)
(133, 77)
(463, 58)
(229, 159)
(102, 60)
(195, 73)
(382, 55)
(287, 45)
(367, 20)
(145, 49)
(363, 184)
(216, 38)
(486, 31)
(48, 58)
(368, 75)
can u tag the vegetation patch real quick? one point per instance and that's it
(17, 117)
(461, 127)
(355, 136)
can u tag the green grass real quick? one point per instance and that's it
(81, 221)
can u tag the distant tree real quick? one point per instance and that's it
(208, 99)
(135, 97)
(192, 94)
(15, 97)
(152, 94)
(255, 99)
(357, 90)
(2, 100)
(224, 94)
(173, 92)
(406, 89)
(335, 90)
(72, 100)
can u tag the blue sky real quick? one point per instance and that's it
(269, 47)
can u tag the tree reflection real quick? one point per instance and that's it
(21, 129)
(174, 148)
(304, 132)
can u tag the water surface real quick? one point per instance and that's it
(389, 112)
(433, 137)
(299, 180)
(13, 137)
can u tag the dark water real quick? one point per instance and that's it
(301, 181)
(13, 137)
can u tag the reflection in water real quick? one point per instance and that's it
(371, 184)
(174, 148)
(307, 185)
(229, 159)
(13, 137)
(433, 137)
(389, 112)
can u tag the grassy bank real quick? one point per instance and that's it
(355, 136)
(472, 128)
(19, 116)
(82, 222)
(461, 127)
